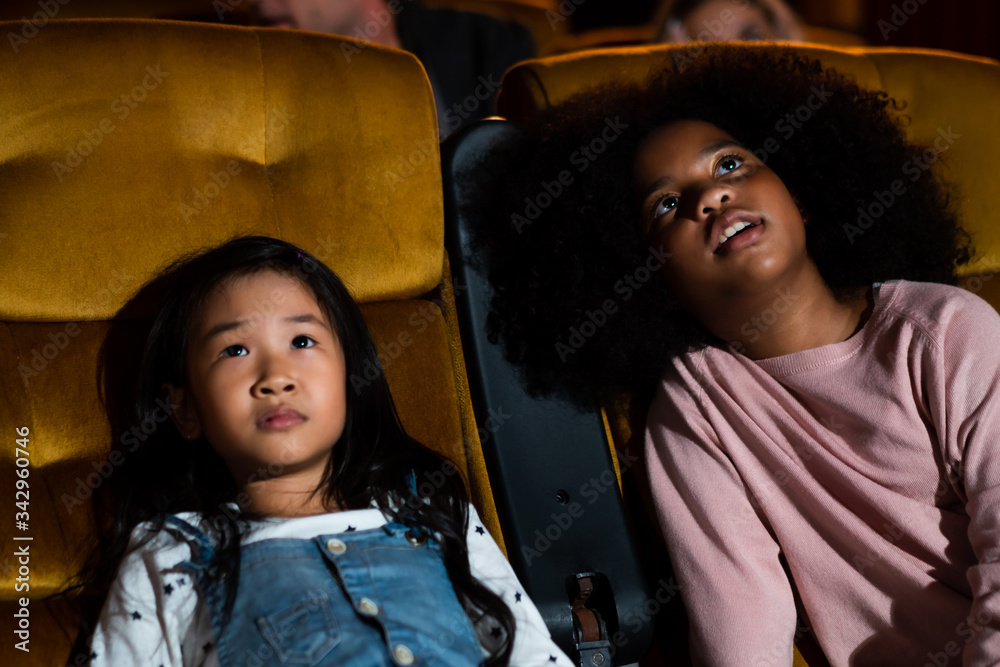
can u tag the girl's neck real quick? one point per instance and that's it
(284, 497)
(791, 318)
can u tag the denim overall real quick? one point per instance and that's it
(366, 598)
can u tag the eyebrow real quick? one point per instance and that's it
(223, 327)
(702, 154)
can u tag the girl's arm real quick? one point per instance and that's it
(965, 407)
(738, 597)
(532, 643)
(151, 617)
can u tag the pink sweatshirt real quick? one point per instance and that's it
(870, 466)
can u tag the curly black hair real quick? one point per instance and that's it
(575, 303)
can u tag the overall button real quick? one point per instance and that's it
(335, 546)
(416, 539)
(402, 654)
(366, 606)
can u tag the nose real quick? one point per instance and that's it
(712, 200)
(273, 379)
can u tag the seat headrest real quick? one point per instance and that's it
(129, 142)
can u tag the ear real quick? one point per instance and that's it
(182, 411)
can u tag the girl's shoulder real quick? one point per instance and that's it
(154, 540)
(939, 310)
(153, 550)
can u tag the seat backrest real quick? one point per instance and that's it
(953, 102)
(129, 142)
(557, 480)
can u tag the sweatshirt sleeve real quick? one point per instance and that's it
(150, 616)
(533, 646)
(737, 595)
(965, 406)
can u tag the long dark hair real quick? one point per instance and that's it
(374, 460)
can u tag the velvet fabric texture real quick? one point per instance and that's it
(130, 142)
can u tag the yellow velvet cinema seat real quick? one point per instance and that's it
(128, 142)
(953, 102)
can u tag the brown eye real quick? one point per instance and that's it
(729, 164)
(664, 206)
(300, 342)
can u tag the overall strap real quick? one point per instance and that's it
(202, 549)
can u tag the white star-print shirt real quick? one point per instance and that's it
(155, 618)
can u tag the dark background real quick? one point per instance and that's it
(966, 26)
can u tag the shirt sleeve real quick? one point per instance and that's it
(738, 598)
(152, 616)
(966, 412)
(533, 644)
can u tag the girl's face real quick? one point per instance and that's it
(728, 222)
(725, 21)
(266, 379)
(317, 15)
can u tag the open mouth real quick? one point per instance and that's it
(733, 231)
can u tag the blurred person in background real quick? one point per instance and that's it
(465, 54)
(728, 20)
